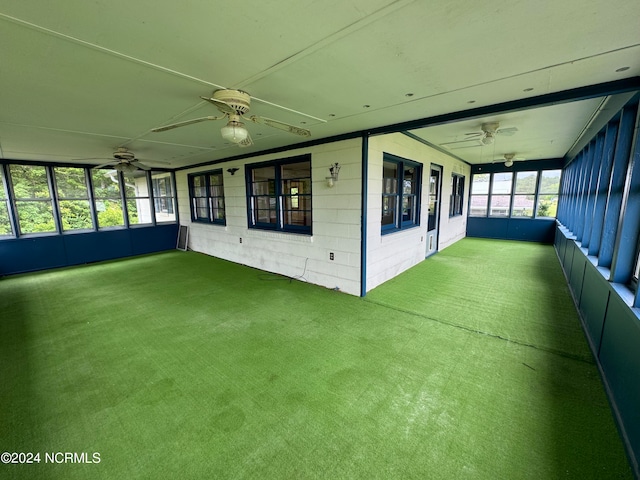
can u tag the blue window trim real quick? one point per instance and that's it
(399, 223)
(210, 219)
(280, 225)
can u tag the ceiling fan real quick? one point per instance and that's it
(125, 161)
(488, 132)
(508, 159)
(234, 104)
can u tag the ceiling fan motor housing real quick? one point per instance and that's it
(237, 99)
(123, 154)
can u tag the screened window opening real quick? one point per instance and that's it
(163, 197)
(500, 202)
(479, 195)
(548, 196)
(279, 195)
(207, 197)
(73, 198)
(137, 195)
(33, 199)
(107, 198)
(524, 198)
(5, 220)
(401, 184)
(456, 201)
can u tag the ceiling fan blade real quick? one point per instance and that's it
(507, 131)
(303, 132)
(185, 123)
(474, 134)
(105, 165)
(136, 163)
(224, 107)
(247, 142)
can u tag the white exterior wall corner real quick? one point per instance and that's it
(336, 221)
(391, 254)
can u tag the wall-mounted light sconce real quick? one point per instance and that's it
(333, 170)
(233, 170)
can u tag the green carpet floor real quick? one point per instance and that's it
(178, 365)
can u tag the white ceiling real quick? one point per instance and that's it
(78, 81)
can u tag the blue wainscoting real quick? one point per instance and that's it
(528, 229)
(28, 254)
(612, 328)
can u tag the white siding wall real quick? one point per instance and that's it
(336, 221)
(388, 255)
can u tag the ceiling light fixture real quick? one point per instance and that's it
(488, 138)
(234, 132)
(125, 167)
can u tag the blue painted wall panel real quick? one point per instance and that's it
(44, 252)
(30, 254)
(593, 303)
(97, 246)
(576, 277)
(532, 230)
(620, 360)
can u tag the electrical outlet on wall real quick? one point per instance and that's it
(330, 255)
(240, 239)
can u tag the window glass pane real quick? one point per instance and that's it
(388, 210)
(499, 206)
(75, 215)
(71, 182)
(526, 182)
(478, 207)
(33, 198)
(110, 213)
(137, 193)
(296, 170)
(502, 183)
(163, 197)
(409, 182)
(409, 208)
(480, 183)
(547, 205)
(105, 184)
(3, 194)
(35, 216)
(5, 223)
(71, 185)
(636, 273)
(550, 182)
(523, 205)
(390, 177)
(29, 182)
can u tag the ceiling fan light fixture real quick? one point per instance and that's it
(487, 139)
(125, 167)
(234, 132)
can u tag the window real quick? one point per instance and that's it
(73, 198)
(107, 198)
(163, 196)
(32, 199)
(457, 195)
(500, 200)
(524, 198)
(207, 197)
(548, 197)
(5, 221)
(137, 195)
(479, 195)
(401, 180)
(530, 194)
(279, 195)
